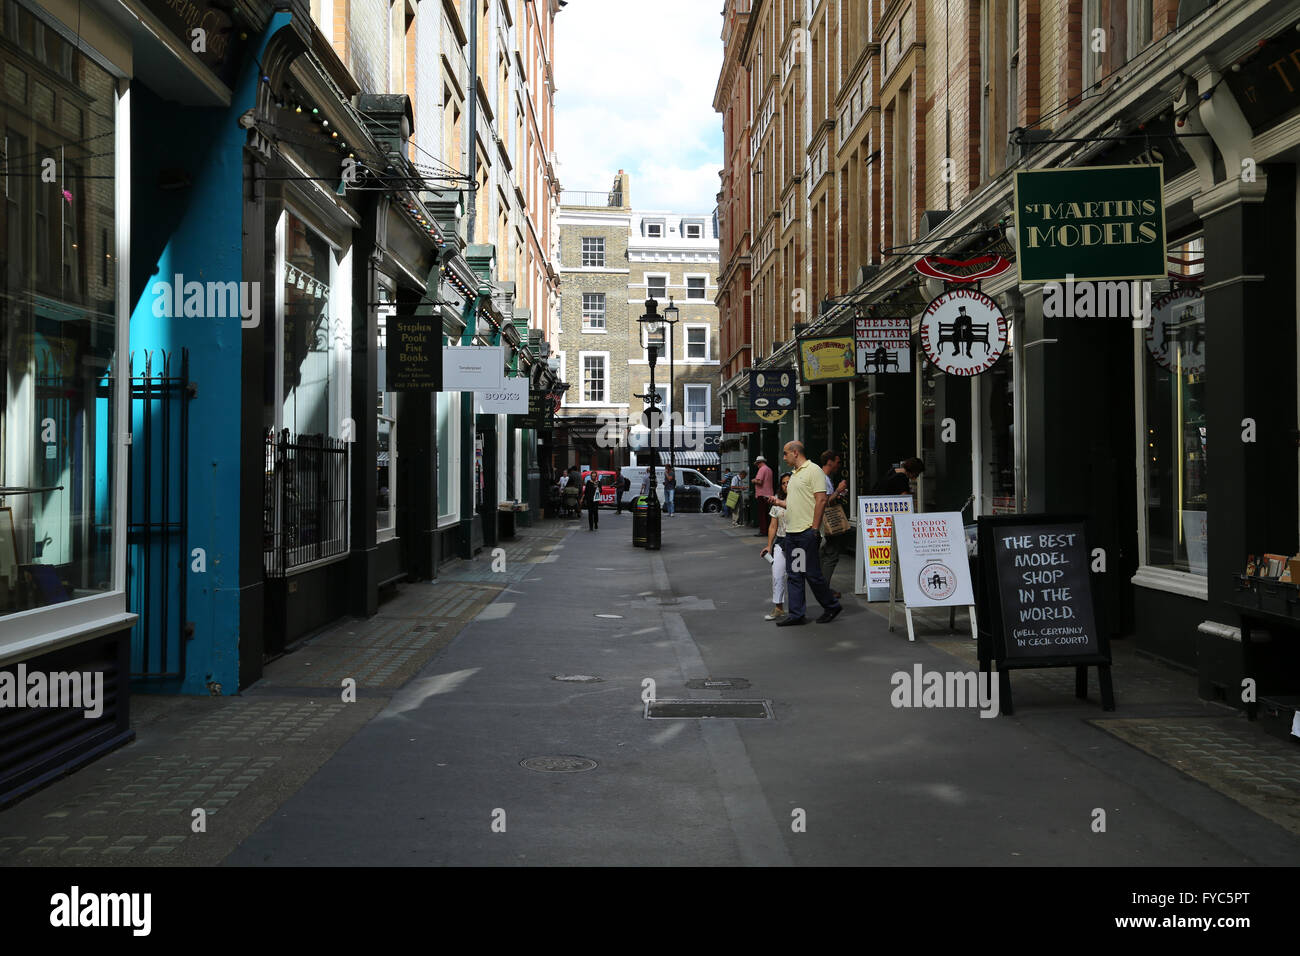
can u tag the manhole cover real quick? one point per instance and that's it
(611, 616)
(578, 678)
(660, 709)
(719, 683)
(558, 764)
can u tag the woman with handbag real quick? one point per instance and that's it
(776, 549)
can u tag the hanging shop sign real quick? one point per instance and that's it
(510, 399)
(962, 270)
(540, 404)
(1176, 335)
(963, 332)
(772, 393)
(828, 358)
(414, 353)
(1094, 222)
(469, 368)
(883, 345)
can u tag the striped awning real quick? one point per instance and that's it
(694, 459)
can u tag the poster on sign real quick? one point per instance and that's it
(932, 559)
(963, 332)
(876, 519)
(883, 345)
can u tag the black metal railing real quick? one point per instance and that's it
(158, 553)
(305, 513)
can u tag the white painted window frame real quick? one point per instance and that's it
(604, 314)
(686, 286)
(44, 629)
(583, 355)
(686, 358)
(451, 455)
(687, 388)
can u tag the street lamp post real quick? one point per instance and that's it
(652, 335)
(671, 313)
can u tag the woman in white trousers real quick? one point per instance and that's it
(777, 547)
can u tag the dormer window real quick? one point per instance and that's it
(654, 230)
(692, 230)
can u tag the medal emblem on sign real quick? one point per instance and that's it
(963, 332)
(1176, 335)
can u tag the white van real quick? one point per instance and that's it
(710, 494)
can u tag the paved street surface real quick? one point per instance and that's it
(459, 683)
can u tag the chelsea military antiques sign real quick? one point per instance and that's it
(963, 332)
(1090, 222)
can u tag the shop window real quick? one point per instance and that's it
(386, 428)
(311, 387)
(1173, 403)
(998, 444)
(57, 341)
(448, 455)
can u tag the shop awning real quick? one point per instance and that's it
(694, 459)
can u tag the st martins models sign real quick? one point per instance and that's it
(1095, 222)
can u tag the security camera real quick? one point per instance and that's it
(248, 119)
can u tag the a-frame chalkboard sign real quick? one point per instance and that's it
(1034, 601)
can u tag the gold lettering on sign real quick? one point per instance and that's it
(1282, 73)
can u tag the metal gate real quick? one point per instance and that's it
(157, 542)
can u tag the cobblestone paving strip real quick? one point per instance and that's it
(239, 758)
(1226, 754)
(135, 807)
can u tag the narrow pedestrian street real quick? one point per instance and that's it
(461, 681)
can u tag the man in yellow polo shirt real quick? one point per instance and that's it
(805, 501)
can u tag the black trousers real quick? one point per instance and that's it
(593, 518)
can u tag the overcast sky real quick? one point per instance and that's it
(635, 85)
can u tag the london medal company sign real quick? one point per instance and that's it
(963, 332)
(1095, 222)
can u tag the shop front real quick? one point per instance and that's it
(65, 652)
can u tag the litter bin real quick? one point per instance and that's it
(506, 521)
(640, 513)
(687, 500)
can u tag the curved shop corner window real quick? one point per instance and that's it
(58, 324)
(1174, 400)
(312, 399)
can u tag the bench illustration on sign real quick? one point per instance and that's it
(963, 331)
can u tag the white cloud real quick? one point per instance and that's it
(634, 91)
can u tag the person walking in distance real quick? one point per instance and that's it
(738, 484)
(832, 462)
(898, 480)
(805, 502)
(778, 548)
(591, 498)
(624, 484)
(670, 488)
(762, 483)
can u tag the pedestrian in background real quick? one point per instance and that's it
(726, 492)
(738, 486)
(670, 486)
(898, 480)
(591, 498)
(831, 545)
(805, 502)
(779, 549)
(624, 485)
(762, 493)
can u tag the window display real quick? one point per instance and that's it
(58, 328)
(1174, 404)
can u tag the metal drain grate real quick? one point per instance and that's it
(669, 709)
(566, 764)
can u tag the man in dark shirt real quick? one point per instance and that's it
(591, 498)
(899, 480)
